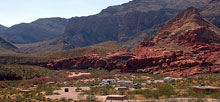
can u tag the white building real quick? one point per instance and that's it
(107, 82)
(125, 83)
(168, 79)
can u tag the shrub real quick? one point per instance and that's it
(199, 94)
(78, 89)
(91, 98)
(216, 95)
(17, 72)
(147, 93)
(80, 96)
(26, 84)
(116, 71)
(138, 86)
(3, 84)
(78, 77)
(44, 87)
(63, 100)
(106, 76)
(165, 90)
(100, 90)
(41, 80)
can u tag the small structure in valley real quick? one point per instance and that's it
(51, 83)
(66, 90)
(116, 98)
(203, 87)
(122, 88)
(152, 80)
(168, 79)
(125, 83)
(26, 91)
(107, 82)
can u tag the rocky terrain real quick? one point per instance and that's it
(127, 24)
(36, 31)
(7, 47)
(130, 22)
(2, 29)
(57, 44)
(101, 49)
(186, 45)
(211, 11)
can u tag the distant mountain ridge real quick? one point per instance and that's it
(2, 29)
(124, 22)
(187, 45)
(36, 31)
(211, 11)
(151, 5)
(127, 25)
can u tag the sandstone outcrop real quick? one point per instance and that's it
(187, 45)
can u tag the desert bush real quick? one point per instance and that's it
(216, 95)
(91, 98)
(138, 86)
(78, 89)
(3, 84)
(80, 97)
(100, 90)
(8, 74)
(196, 94)
(162, 90)
(78, 77)
(17, 59)
(107, 76)
(165, 90)
(23, 71)
(26, 84)
(148, 93)
(44, 87)
(63, 100)
(41, 80)
(116, 71)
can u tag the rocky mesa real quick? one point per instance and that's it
(186, 45)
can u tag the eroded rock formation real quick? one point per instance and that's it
(186, 45)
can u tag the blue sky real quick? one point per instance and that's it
(19, 11)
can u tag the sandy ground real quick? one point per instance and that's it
(72, 94)
(168, 100)
(184, 100)
(73, 74)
